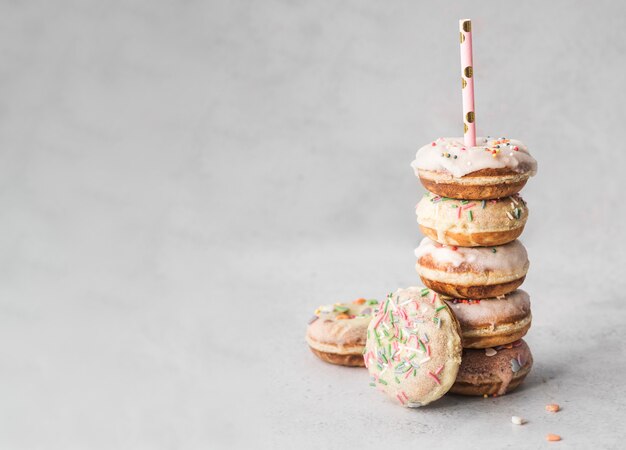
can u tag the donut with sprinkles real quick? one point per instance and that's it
(413, 349)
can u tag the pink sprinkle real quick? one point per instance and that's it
(408, 373)
(434, 298)
(458, 216)
(380, 318)
(462, 148)
(406, 397)
(400, 398)
(471, 205)
(438, 371)
(434, 377)
(433, 144)
(516, 148)
(428, 350)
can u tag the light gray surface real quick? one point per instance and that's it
(182, 183)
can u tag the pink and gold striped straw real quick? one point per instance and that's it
(467, 83)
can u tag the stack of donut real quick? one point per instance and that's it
(472, 217)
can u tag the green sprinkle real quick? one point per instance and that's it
(454, 206)
(373, 384)
(440, 308)
(425, 292)
(383, 382)
(470, 215)
(341, 309)
(464, 202)
(414, 372)
(372, 302)
(397, 380)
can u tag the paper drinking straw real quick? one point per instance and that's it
(467, 83)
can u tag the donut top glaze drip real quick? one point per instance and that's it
(342, 323)
(452, 156)
(358, 309)
(507, 257)
(413, 347)
(491, 311)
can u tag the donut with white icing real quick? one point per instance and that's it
(493, 371)
(492, 321)
(471, 272)
(337, 333)
(471, 223)
(496, 167)
(413, 349)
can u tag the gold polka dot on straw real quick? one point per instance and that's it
(468, 71)
(462, 37)
(470, 117)
(463, 83)
(467, 26)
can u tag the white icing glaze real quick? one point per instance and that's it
(508, 257)
(460, 160)
(493, 311)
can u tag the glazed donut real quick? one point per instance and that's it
(496, 168)
(493, 371)
(471, 223)
(492, 321)
(471, 272)
(337, 333)
(413, 347)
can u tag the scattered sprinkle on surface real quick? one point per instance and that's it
(517, 420)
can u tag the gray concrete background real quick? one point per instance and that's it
(183, 183)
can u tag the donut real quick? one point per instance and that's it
(493, 371)
(492, 321)
(493, 169)
(471, 272)
(471, 223)
(337, 333)
(413, 349)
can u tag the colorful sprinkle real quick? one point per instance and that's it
(434, 377)
(517, 420)
(553, 407)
